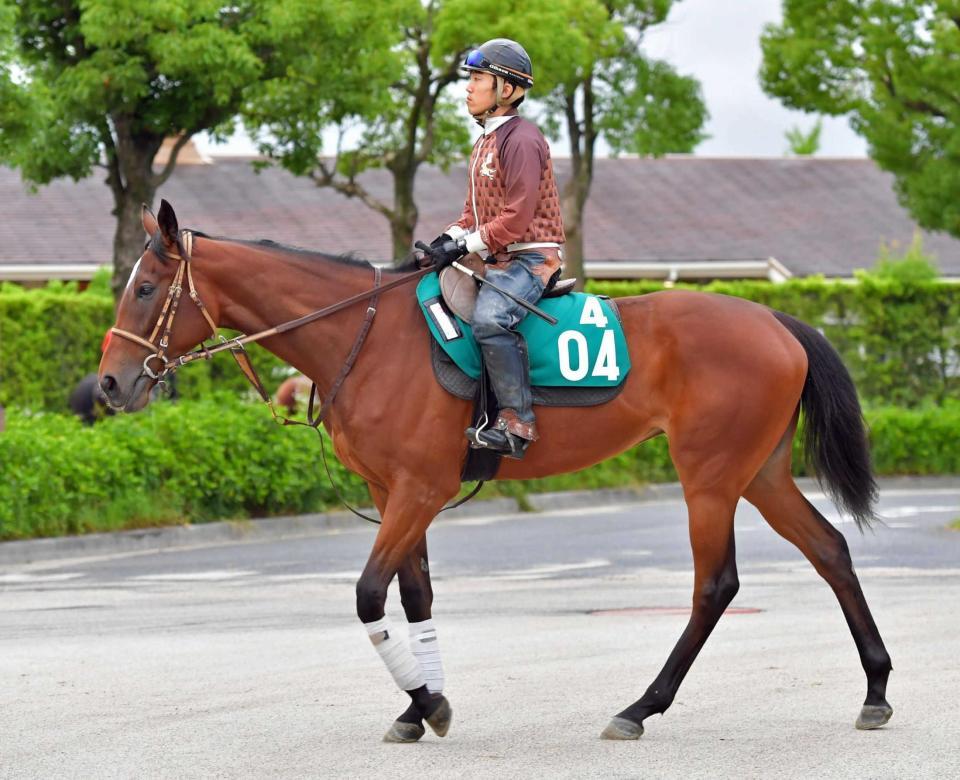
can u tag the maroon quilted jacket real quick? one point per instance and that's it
(511, 193)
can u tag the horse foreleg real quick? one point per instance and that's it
(715, 585)
(416, 595)
(400, 549)
(774, 493)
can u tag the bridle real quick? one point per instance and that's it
(164, 325)
(168, 313)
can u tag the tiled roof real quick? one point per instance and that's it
(814, 215)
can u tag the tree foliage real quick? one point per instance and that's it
(804, 144)
(894, 69)
(586, 56)
(608, 87)
(913, 265)
(408, 115)
(99, 84)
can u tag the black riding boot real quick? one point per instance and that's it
(509, 372)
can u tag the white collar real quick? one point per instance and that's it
(494, 122)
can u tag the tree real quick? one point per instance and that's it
(638, 105)
(413, 120)
(894, 69)
(88, 84)
(911, 265)
(804, 144)
(401, 117)
(611, 89)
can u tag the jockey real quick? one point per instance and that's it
(512, 219)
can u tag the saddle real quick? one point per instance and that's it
(449, 302)
(460, 291)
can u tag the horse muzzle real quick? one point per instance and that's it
(133, 399)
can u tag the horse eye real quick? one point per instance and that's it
(145, 290)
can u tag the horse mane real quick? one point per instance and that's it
(352, 259)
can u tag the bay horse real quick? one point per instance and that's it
(723, 378)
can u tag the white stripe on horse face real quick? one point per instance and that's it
(133, 273)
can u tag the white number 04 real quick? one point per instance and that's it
(606, 363)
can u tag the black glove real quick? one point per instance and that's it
(450, 250)
(440, 240)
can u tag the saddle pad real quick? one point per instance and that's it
(455, 382)
(586, 348)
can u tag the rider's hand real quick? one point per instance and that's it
(426, 258)
(450, 250)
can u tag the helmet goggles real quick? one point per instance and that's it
(478, 61)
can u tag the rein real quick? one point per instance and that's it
(168, 312)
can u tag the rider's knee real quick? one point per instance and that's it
(488, 323)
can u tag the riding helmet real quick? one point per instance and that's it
(502, 57)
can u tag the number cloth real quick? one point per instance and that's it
(586, 348)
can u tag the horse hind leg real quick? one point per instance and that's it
(775, 494)
(715, 585)
(717, 451)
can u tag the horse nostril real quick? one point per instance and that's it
(108, 385)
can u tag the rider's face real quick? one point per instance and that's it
(482, 92)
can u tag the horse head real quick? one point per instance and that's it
(153, 328)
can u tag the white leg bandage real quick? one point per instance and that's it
(396, 655)
(426, 649)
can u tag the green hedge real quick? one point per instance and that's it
(900, 340)
(223, 458)
(198, 461)
(50, 339)
(922, 441)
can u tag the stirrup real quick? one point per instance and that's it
(507, 444)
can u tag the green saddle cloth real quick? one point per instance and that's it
(586, 347)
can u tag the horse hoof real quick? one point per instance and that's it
(873, 716)
(621, 728)
(404, 732)
(440, 720)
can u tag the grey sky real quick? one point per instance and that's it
(718, 42)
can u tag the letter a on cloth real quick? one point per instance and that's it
(396, 655)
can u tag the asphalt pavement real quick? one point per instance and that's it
(247, 660)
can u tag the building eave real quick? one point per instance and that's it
(67, 272)
(674, 270)
(668, 271)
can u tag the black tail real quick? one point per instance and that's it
(835, 436)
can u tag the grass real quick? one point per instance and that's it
(129, 511)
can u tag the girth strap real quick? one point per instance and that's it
(357, 344)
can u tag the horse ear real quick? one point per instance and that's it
(149, 221)
(168, 223)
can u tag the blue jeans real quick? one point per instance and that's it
(494, 320)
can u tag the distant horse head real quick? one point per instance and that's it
(86, 401)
